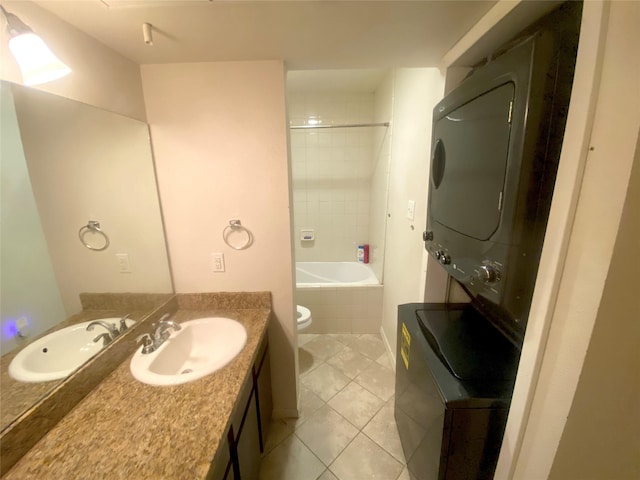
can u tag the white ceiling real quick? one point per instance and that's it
(362, 80)
(305, 34)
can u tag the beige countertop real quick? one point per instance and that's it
(126, 429)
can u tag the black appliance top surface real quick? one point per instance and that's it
(469, 346)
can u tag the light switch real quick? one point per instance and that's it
(217, 262)
(123, 262)
(411, 209)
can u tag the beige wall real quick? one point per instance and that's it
(415, 93)
(220, 143)
(601, 440)
(99, 76)
(383, 108)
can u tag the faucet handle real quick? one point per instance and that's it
(123, 323)
(148, 343)
(106, 339)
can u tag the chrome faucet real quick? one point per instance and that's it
(162, 331)
(123, 323)
(161, 334)
(148, 343)
(106, 339)
(113, 331)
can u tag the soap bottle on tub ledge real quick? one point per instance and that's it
(363, 253)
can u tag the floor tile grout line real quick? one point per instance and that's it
(311, 450)
(359, 430)
(402, 462)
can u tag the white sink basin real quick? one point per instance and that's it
(199, 348)
(56, 355)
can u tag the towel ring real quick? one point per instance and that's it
(235, 226)
(93, 226)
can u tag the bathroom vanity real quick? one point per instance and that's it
(213, 427)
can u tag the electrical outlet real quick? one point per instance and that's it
(123, 262)
(217, 262)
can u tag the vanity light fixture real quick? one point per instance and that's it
(37, 62)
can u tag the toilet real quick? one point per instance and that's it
(304, 317)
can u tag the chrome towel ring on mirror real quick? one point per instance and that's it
(93, 226)
(234, 229)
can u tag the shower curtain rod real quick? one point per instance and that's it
(346, 125)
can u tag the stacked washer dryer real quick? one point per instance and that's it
(496, 145)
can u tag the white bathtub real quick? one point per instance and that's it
(344, 297)
(334, 274)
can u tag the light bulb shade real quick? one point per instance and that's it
(36, 61)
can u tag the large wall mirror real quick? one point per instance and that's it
(65, 164)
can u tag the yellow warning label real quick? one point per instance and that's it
(405, 345)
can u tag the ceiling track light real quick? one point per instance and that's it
(37, 62)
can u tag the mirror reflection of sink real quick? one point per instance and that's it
(56, 355)
(199, 348)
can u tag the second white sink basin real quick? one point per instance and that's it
(59, 353)
(199, 348)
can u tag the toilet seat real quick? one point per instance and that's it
(303, 316)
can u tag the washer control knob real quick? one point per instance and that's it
(438, 254)
(427, 235)
(488, 274)
(444, 258)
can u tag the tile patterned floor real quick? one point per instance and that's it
(346, 429)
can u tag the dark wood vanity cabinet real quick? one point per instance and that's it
(239, 456)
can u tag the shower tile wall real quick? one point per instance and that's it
(331, 171)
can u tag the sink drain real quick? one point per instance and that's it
(187, 370)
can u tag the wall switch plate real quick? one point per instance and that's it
(411, 209)
(123, 262)
(217, 262)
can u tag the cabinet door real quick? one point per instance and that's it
(265, 402)
(248, 444)
(222, 468)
